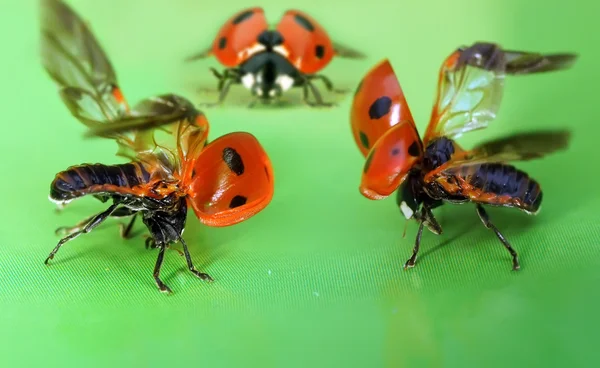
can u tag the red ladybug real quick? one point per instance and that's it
(269, 62)
(426, 173)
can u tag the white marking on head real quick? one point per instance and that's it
(248, 80)
(280, 49)
(406, 211)
(285, 82)
(247, 53)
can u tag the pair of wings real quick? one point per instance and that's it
(305, 44)
(470, 86)
(88, 86)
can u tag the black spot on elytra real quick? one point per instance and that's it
(222, 43)
(233, 160)
(358, 88)
(380, 107)
(237, 201)
(242, 17)
(368, 162)
(395, 151)
(193, 173)
(304, 23)
(364, 139)
(320, 51)
(413, 150)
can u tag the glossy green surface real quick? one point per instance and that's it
(315, 279)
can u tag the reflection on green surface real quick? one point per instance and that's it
(316, 279)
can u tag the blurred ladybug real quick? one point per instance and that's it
(269, 62)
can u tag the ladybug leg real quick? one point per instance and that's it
(318, 99)
(150, 244)
(89, 226)
(125, 231)
(159, 261)
(411, 261)
(190, 264)
(487, 223)
(328, 84)
(229, 77)
(119, 212)
(66, 230)
(430, 221)
(222, 78)
(425, 218)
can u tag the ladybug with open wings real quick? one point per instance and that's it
(225, 181)
(435, 170)
(269, 62)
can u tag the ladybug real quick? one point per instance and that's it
(270, 62)
(428, 172)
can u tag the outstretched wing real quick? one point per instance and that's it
(231, 180)
(470, 85)
(78, 64)
(377, 106)
(347, 52)
(518, 147)
(171, 114)
(307, 44)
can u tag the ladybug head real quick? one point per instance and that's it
(268, 75)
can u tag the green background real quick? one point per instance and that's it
(316, 278)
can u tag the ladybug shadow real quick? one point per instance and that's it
(240, 97)
(206, 246)
(458, 221)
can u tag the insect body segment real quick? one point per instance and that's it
(172, 166)
(269, 62)
(434, 170)
(78, 181)
(489, 183)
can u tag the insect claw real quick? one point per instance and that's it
(410, 263)
(164, 289)
(203, 276)
(516, 265)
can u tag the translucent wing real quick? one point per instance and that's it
(231, 181)
(347, 52)
(519, 62)
(518, 147)
(378, 105)
(470, 85)
(169, 113)
(77, 63)
(237, 39)
(75, 60)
